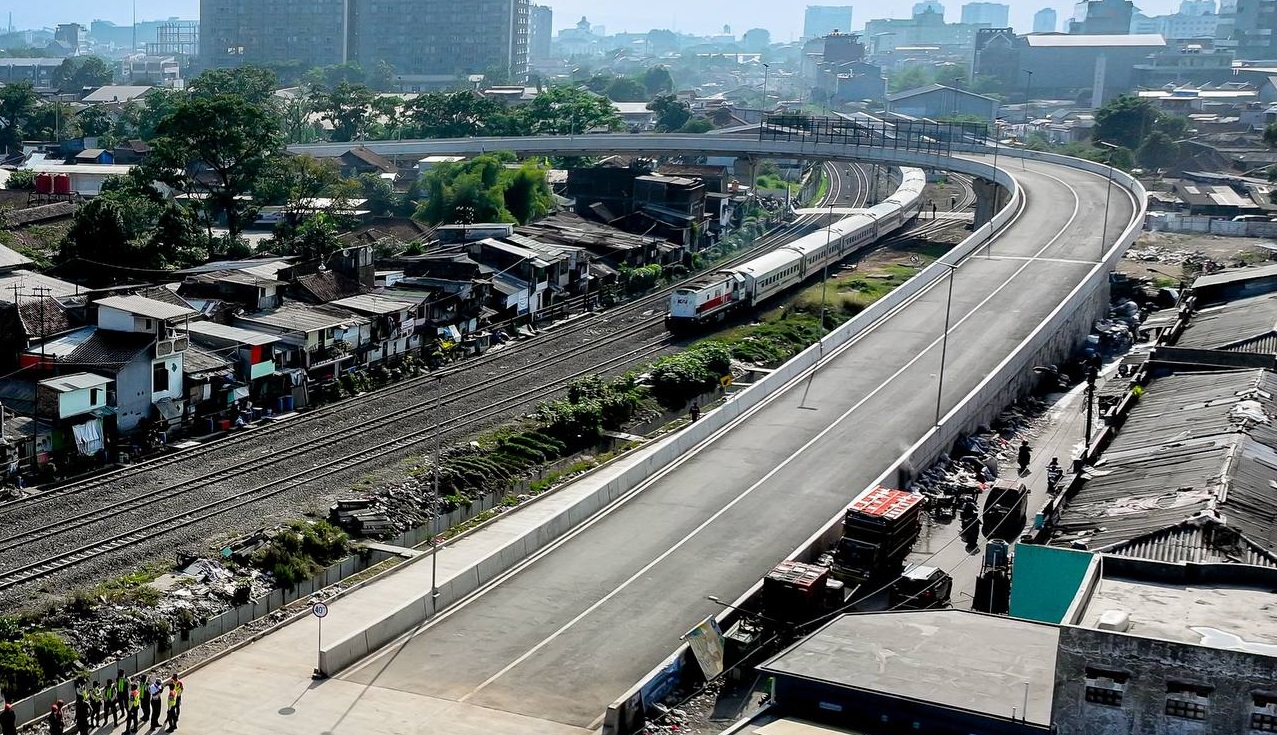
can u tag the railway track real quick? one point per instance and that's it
(146, 515)
(635, 309)
(145, 504)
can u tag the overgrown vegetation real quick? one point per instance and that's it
(300, 550)
(31, 660)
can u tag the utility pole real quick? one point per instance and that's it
(435, 505)
(41, 293)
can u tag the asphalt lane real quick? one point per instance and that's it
(576, 627)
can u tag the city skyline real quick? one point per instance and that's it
(783, 21)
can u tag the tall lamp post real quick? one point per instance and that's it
(763, 108)
(1108, 187)
(944, 338)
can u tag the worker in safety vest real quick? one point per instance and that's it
(95, 704)
(122, 693)
(144, 693)
(171, 719)
(135, 703)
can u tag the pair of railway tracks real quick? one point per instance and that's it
(146, 514)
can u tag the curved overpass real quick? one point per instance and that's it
(548, 647)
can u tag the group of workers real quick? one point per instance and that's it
(137, 702)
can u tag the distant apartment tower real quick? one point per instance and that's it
(425, 39)
(993, 15)
(1102, 18)
(1045, 21)
(821, 20)
(540, 32)
(68, 34)
(1197, 7)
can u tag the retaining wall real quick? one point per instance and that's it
(1056, 337)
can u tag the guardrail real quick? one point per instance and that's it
(985, 401)
(639, 468)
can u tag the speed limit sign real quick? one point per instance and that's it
(319, 609)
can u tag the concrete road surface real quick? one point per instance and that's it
(578, 625)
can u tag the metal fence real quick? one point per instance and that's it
(919, 136)
(1160, 222)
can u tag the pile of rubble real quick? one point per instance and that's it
(1193, 259)
(103, 630)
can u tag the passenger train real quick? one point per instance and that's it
(713, 296)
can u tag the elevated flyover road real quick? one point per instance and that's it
(572, 628)
(551, 644)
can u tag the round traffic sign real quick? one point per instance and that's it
(319, 609)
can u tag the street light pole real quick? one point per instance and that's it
(1028, 84)
(766, 71)
(1108, 187)
(944, 339)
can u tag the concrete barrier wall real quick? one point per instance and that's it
(1056, 336)
(647, 462)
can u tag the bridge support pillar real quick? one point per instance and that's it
(746, 169)
(989, 198)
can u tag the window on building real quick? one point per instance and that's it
(1263, 718)
(95, 396)
(1186, 701)
(159, 383)
(1105, 687)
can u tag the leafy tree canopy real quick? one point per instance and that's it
(484, 190)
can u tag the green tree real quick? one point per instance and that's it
(141, 119)
(566, 111)
(910, 78)
(23, 179)
(626, 89)
(1270, 135)
(484, 190)
(1174, 125)
(657, 80)
(1157, 151)
(382, 78)
(527, 194)
(77, 72)
(295, 123)
(219, 146)
(327, 77)
(292, 179)
(698, 125)
(1124, 121)
(378, 193)
(316, 236)
(348, 108)
(51, 121)
(671, 112)
(453, 115)
(131, 223)
(254, 84)
(756, 39)
(18, 102)
(94, 122)
(599, 83)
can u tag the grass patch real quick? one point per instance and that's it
(133, 587)
(790, 328)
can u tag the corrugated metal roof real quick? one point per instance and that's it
(76, 381)
(1196, 443)
(376, 304)
(1203, 540)
(1236, 275)
(232, 334)
(1232, 325)
(297, 318)
(143, 306)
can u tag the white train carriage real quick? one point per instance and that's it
(709, 298)
(770, 274)
(830, 245)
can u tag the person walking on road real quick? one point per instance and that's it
(56, 725)
(176, 686)
(8, 719)
(135, 703)
(1054, 474)
(122, 694)
(155, 690)
(144, 694)
(95, 705)
(170, 719)
(695, 411)
(1023, 456)
(81, 714)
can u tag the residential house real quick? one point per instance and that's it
(252, 356)
(320, 340)
(394, 321)
(73, 407)
(361, 160)
(466, 284)
(936, 101)
(92, 156)
(254, 287)
(521, 277)
(676, 204)
(28, 321)
(149, 385)
(208, 380)
(116, 94)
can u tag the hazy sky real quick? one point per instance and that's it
(782, 17)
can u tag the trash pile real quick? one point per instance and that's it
(112, 625)
(1194, 259)
(974, 464)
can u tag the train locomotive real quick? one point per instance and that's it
(713, 296)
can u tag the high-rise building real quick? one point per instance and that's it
(540, 32)
(928, 6)
(993, 15)
(1045, 21)
(1102, 18)
(1251, 29)
(821, 20)
(428, 41)
(1197, 7)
